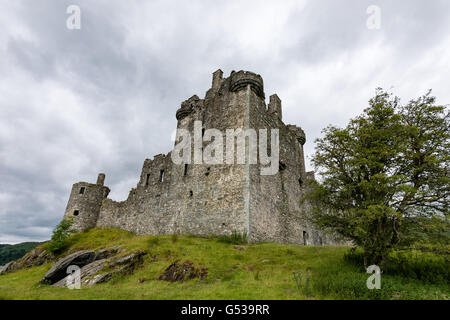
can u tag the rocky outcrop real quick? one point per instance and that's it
(95, 266)
(106, 253)
(35, 257)
(59, 270)
(9, 267)
(99, 270)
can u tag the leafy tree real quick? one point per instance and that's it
(60, 234)
(385, 176)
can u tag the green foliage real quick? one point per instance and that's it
(303, 281)
(153, 241)
(234, 238)
(424, 266)
(174, 237)
(348, 281)
(354, 256)
(10, 252)
(413, 264)
(385, 176)
(428, 233)
(298, 279)
(60, 235)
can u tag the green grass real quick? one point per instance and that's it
(260, 271)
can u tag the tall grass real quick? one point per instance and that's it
(235, 238)
(424, 266)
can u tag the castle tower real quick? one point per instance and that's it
(198, 196)
(85, 202)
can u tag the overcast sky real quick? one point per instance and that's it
(103, 98)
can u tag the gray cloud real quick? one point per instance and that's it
(103, 98)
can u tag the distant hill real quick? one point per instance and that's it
(10, 252)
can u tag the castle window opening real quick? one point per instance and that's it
(191, 193)
(203, 133)
(305, 238)
(208, 170)
(282, 166)
(147, 179)
(161, 176)
(185, 169)
(82, 189)
(300, 182)
(76, 212)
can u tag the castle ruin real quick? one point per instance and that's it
(204, 199)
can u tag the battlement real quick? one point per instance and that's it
(101, 179)
(274, 106)
(187, 107)
(298, 132)
(241, 79)
(217, 79)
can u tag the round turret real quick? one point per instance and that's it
(187, 107)
(241, 79)
(85, 202)
(298, 133)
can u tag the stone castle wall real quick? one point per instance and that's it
(208, 199)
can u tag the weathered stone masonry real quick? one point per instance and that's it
(213, 199)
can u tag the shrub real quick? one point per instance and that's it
(153, 241)
(354, 256)
(60, 235)
(234, 238)
(290, 252)
(424, 266)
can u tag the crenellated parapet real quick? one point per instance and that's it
(241, 79)
(274, 107)
(188, 106)
(298, 133)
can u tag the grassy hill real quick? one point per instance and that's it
(10, 252)
(255, 271)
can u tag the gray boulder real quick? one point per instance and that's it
(87, 272)
(106, 253)
(35, 257)
(9, 267)
(59, 270)
(92, 273)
